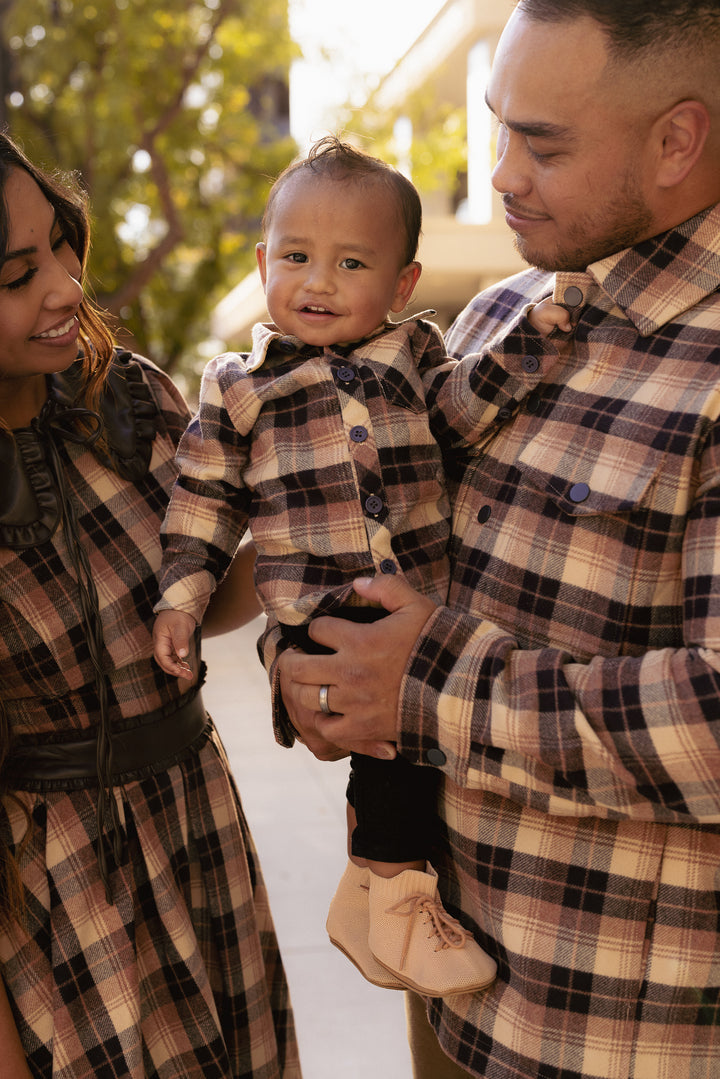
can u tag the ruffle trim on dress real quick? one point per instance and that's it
(29, 496)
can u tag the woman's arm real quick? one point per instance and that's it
(233, 603)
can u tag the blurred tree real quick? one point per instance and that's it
(174, 115)
(435, 155)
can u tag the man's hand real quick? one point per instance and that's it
(172, 633)
(364, 673)
(304, 719)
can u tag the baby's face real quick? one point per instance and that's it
(332, 261)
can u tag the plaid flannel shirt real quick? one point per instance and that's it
(327, 455)
(572, 684)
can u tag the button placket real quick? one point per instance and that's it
(346, 375)
(373, 505)
(579, 492)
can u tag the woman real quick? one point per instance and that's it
(136, 937)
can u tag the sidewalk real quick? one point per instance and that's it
(347, 1028)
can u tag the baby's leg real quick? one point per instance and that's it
(410, 933)
(393, 804)
(381, 869)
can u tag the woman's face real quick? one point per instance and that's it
(40, 290)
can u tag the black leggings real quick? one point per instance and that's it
(394, 801)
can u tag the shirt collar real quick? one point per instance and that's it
(265, 333)
(657, 280)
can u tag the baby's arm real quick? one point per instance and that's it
(171, 637)
(547, 316)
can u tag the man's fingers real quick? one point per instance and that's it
(386, 590)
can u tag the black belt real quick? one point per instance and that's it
(146, 744)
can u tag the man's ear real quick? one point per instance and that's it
(682, 132)
(405, 285)
(260, 256)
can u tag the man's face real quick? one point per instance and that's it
(574, 160)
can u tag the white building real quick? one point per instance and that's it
(464, 247)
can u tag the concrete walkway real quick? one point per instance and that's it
(347, 1028)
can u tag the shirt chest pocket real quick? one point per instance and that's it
(586, 475)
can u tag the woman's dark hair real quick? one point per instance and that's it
(96, 344)
(70, 205)
(329, 157)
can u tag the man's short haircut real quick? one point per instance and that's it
(335, 160)
(633, 26)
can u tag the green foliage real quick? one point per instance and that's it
(438, 150)
(174, 116)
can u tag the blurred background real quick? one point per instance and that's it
(177, 116)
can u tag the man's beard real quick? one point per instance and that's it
(594, 237)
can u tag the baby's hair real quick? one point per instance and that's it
(336, 160)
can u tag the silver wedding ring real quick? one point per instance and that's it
(323, 700)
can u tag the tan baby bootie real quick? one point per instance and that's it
(348, 923)
(414, 937)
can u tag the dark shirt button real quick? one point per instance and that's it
(345, 374)
(358, 434)
(579, 492)
(533, 402)
(388, 566)
(285, 344)
(484, 514)
(373, 505)
(530, 364)
(573, 296)
(436, 757)
(504, 413)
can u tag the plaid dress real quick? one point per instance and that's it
(180, 975)
(572, 684)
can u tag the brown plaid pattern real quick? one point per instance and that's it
(181, 977)
(328, 456)
(573, 681)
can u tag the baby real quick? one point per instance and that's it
(320, 442)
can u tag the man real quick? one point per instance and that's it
(570, 690)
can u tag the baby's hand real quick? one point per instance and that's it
(547, 316)
(171, 637)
